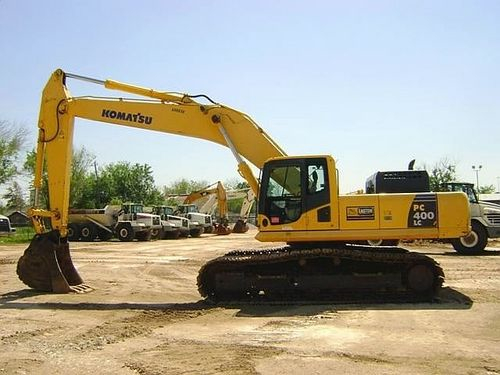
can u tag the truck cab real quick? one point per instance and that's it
(485, 219)
(169, 221)
(191, 212)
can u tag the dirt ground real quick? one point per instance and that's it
(145, 316)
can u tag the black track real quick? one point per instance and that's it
(344, 274)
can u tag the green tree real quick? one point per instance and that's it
(489, 189)
(14, 198)
(12, 138)
(443, 171)
(82, 193)
(242, 185)
(124, 182)
(29, 169)
(184, 186)
(82, 180)
(181, 187)
(235, 183)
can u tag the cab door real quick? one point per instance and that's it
(281, 199)
(318, 206)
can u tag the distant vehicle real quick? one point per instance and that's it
(485, 220)
(127, 222)
(185, 226)
(5, 227)
(191, 212)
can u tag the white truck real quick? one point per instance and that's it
(185, 227)
(191, 212)
(126, 222)
(485, 220)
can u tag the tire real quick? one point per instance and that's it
(196, 232)
(172, 235)
(73, 232)
(104, 235)
(143, 236)
(157, 233)
(474, 243)
(88, 232)
(382, 242)
(124, 232)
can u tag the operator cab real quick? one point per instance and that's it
(292, 186)
(132, 209)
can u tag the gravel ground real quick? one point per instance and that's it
(145, 316)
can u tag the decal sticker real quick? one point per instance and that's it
(360, 213)
(275, 220)
(138, 118)
(423, 212)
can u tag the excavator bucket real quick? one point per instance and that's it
(222, 230)
(240, 227)
(46, 265)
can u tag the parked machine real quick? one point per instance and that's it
(485, 220)
(216, 196)
(185, 226)
(213, 200)
(248, 200)
(5, 227)
(298, 203)
(126, 222)
(191, 212)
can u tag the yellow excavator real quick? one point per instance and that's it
(215, 196)
(221, 226)
(247, 198)
(298, 203)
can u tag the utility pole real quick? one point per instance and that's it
(477, 175)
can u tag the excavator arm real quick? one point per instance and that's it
(163, 112)
(248, 199)
(46, 264)
(218, 191)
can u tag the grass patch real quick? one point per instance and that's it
(21, 235)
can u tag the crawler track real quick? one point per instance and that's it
(344, 274)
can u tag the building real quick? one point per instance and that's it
(19, 219)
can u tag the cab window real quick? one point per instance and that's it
(316, 178)
(283, 194)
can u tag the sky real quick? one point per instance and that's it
(373, 83)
